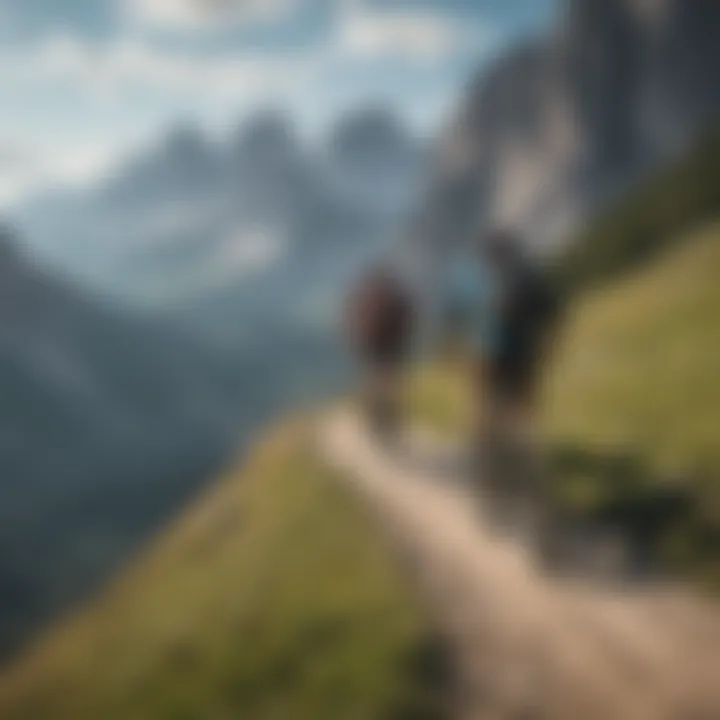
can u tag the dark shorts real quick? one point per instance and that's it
(514, 376)
(389, 355)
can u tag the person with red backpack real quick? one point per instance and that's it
(380, 319)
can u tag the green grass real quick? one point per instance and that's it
(632, 401)
(640, 361)
(273, 599)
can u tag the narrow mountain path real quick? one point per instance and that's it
(525, 645)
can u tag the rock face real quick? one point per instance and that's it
(562, 125)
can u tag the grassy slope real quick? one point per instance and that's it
(633, 396)
(639, 365)
(273, 599)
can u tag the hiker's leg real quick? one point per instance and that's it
(522, 429)
(530, 480)
(372, 395)
(503, 446)
(384, 395)
(483, 420)
(517, 381)
(491, 420)
(522, 481)
(392, 399)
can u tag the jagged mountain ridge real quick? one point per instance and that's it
(158, 230)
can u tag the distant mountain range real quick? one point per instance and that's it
(565, 123)
(191, 216)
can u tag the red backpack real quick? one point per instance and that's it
(380, 315)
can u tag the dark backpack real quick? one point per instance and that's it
(532, 309)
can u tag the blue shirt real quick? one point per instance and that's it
(473, 294)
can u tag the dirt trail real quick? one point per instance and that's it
(525, 645)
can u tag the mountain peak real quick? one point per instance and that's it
(372, 131)
(266, 132)
(187, 141)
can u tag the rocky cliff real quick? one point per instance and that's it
(562, 125)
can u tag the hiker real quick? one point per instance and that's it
(380, 323)
(509, 310)
(525, 317)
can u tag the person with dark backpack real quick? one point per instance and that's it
(509, 311)
(526, 318)
(380, 320)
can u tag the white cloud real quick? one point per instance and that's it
(15, 156)
(405, 33)
(22, 172)
(19, 168)
(208, 86)
(134, 63)
(97, 73)
(148, 81)
(14, 185)
(247, 251)
(205, 14)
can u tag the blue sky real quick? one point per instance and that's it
(84, 81)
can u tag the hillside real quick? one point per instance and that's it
(108, 423)
(632, 406)
(274, 598)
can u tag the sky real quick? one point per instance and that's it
(84, 82)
